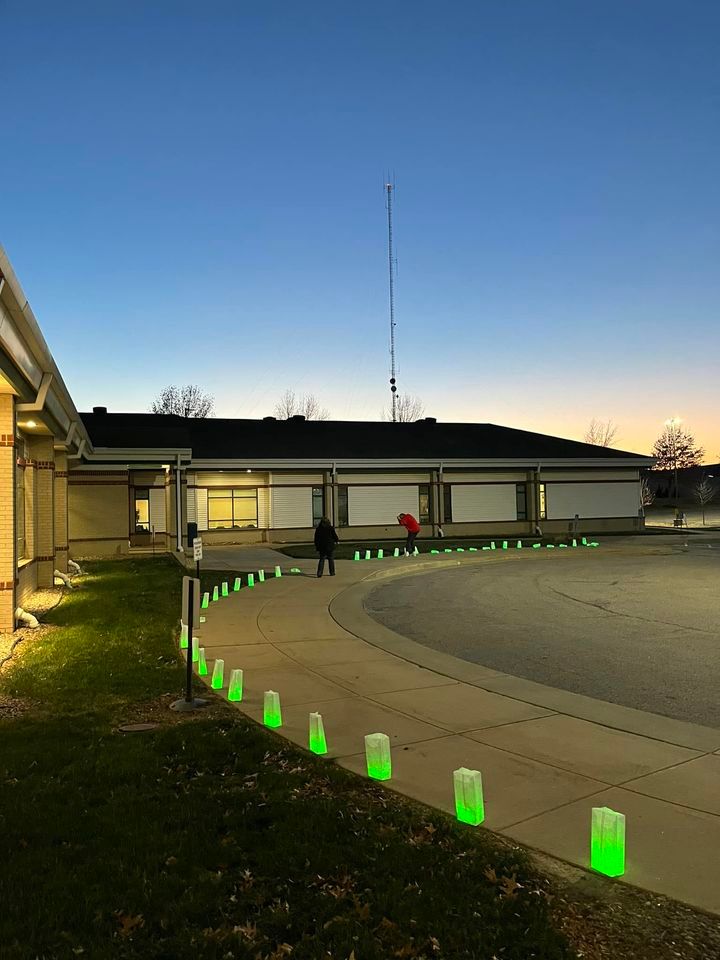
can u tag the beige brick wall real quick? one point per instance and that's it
(61, 512)
(27, 582)
(7, 512)
(98, 513)
(42, 454)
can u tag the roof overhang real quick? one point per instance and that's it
(28, 366)
(519, 463)
(129, 455)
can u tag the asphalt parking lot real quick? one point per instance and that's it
(635, 626)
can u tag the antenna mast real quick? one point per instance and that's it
(391, 268)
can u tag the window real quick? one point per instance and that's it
(142, 511)
(20, 545)
(521, 500)
(343, 505)
(231, 509)
(447, 503)
(318, 505)
(543, 502)
(424, 495)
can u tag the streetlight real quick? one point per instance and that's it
(673, 425)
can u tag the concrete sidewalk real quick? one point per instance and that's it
(547, 756)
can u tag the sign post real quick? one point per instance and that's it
(190, 616)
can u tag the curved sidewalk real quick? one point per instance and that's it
(547, 756)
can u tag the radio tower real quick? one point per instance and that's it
(391, 268)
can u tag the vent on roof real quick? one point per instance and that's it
(297, 417)
(430, 419)
(99, 410)
(269, 418)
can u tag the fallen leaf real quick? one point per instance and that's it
(129, 923)
(509, 887)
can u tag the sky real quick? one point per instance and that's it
(194, 193)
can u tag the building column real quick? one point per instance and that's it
(328, 497)
(435, 501)
(61, 512)
(7, 512)
(43, 454)
(334, 512)
(533, 500)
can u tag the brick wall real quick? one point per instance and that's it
(61, 512)
(98, 512)
(43, 457)
(7, 512)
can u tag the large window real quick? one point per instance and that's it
(232, 509)
(521, 498)
(543, 502)
(318, 505)
(20, 544)
(424, 508)
(142, 511)
(447, 502)
(343, 505)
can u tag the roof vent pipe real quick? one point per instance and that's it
(99, 410)
(297, 417)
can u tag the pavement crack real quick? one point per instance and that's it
(628, 616)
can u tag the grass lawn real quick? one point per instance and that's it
(210, 837)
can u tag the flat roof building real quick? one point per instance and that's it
(103, 483)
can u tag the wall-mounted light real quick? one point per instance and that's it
(248, 470)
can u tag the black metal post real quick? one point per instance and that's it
(190, 646)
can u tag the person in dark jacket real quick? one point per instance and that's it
(325, 540)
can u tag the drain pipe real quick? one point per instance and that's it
(75, 567)
(178, 506)
(59, 575)
(25, 618)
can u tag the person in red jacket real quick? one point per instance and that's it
(408, 521)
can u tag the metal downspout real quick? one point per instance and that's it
(178, 506)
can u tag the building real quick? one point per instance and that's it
(104, 483)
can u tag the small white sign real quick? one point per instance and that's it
(197, 548)
(190, 595)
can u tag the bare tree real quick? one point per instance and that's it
(290, 405)
(646, 492)
(408, 409)
(676, 449)
(187, 401)
(704, 491)
(601, 433)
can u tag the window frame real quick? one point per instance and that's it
(342, 505)
(425, 490)
(137, 525)
(317, 494)
(521, 501)
(20, 506)
(447, 503)
(232, 494)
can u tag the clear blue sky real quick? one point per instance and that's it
(194, 193)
